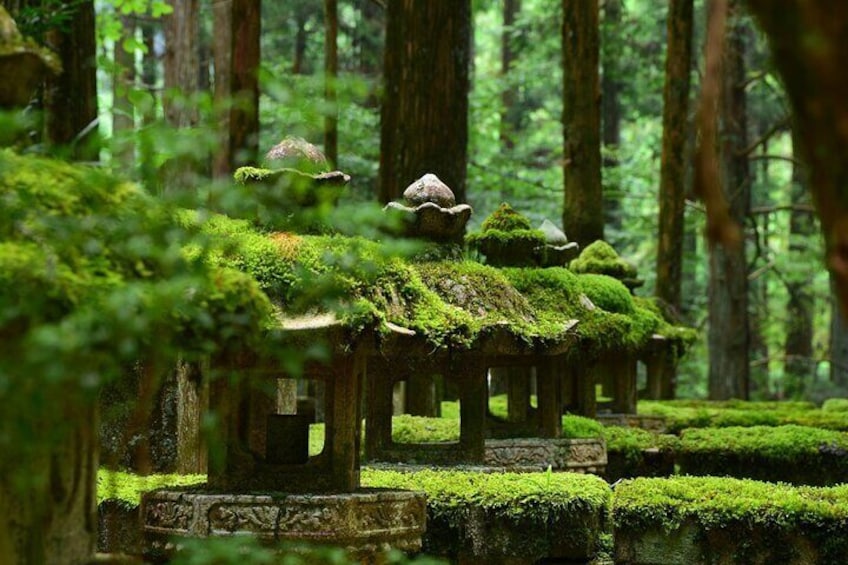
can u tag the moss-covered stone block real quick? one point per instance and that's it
(695, 520)
(507, 518)
(793, 454)
(633, 452)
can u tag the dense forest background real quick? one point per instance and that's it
(515, 150)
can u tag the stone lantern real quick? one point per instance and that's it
(431, 211)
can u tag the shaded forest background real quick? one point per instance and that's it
(793, 343)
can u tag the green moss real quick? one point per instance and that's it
(601, 259)
(607, 293)
(505, 219)
(496, 239)
(631, 442)
(645, 503)
(127, 488)
(680, 415)
(417, 429)
(790, 453)
(835, 405)
(510, 495)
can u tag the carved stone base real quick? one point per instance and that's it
(520, 454)
(577, 455)
(364, 522)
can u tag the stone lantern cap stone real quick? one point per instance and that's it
(432, 206)
(297, 153)
(429, 188)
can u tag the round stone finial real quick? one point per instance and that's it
(429, 188)
(299, 154)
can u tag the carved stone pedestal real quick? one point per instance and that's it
(364, 522)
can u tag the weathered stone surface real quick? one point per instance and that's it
(429, 188)
(118, 528)
(363, 521)
(299, 154)
(587, 455)
(691, 544)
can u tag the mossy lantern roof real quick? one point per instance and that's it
(440, 304)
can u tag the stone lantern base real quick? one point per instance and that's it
(364, 522)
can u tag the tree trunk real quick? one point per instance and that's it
(510, 116)
(611, 111)
(298, 65)
(222, 162)
(799, 368)
(70, 100)
(424, 119)
(674, 142)
(728, 290)
(181, 63)
(583, 219)
(244, 84)
(838, 344)
(331, 71)
(123, 111)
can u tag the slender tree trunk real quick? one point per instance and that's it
(676, 126)
(222, 162)
(181, 63)
(244, 85)
(70, 101)
(298, 65)
(838, 343)
(424, 119)
(331, 72)
(583, 219)
(510, 117)
(799, 367)
(611, 111)
(123, 111)
(729, 336)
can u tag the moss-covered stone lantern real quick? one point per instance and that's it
(600, 258)
(506, 239)
(431, 212)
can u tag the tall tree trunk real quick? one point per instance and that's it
(728, 291)
(583, 219)
(424, 120)
(70, 100)
(244, 85)
(123, 79)
(838, 342)
(331, 72)
(611, 111)
(181, 63)
(799, 368)
(298, 64)
(674, 142)
(510, 116)
(222, 161)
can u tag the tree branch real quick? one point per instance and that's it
(787, 158)
(778, 127)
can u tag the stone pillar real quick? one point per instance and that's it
(623, 369)
(192, 403)
(345, 426)
(378, 403)
(421, 395)
(549, 398)
(473, 407)
(582, 378)
(518, 392)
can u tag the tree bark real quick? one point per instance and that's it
(729, 335)
(181, 63)
(799, 368)
(331, 71)
(838, 344)
(244, 81)
(70, 100)
(123, 111)
(424, 118)
(222, 161)
(611, 111)
(676, 126)
(583, 219)
(510, 117)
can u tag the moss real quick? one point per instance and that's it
(127, 488)
(835, 405)
(505, 219)
(680, 415)
(631, 442)
(607, 293)
(721, 503)
(796, 454)
(601, 259)
(509, 495)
